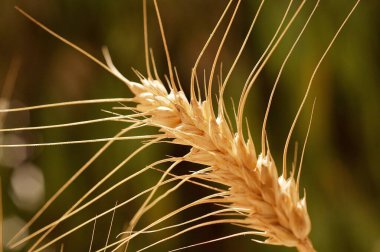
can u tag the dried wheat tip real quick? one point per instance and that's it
(268, 203)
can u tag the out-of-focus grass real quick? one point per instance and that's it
(341, 168)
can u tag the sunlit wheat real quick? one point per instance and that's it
(249, 189)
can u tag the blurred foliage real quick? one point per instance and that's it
(341, 167)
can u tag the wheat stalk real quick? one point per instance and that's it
(250, 191)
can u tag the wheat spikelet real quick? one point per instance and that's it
(250, 191)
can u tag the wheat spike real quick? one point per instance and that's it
(252, 193)
(271, 203)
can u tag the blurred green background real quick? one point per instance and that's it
(341, 170)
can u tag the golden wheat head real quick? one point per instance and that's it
(248, 187)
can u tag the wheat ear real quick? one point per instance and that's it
(268, 202)
(251, 191)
